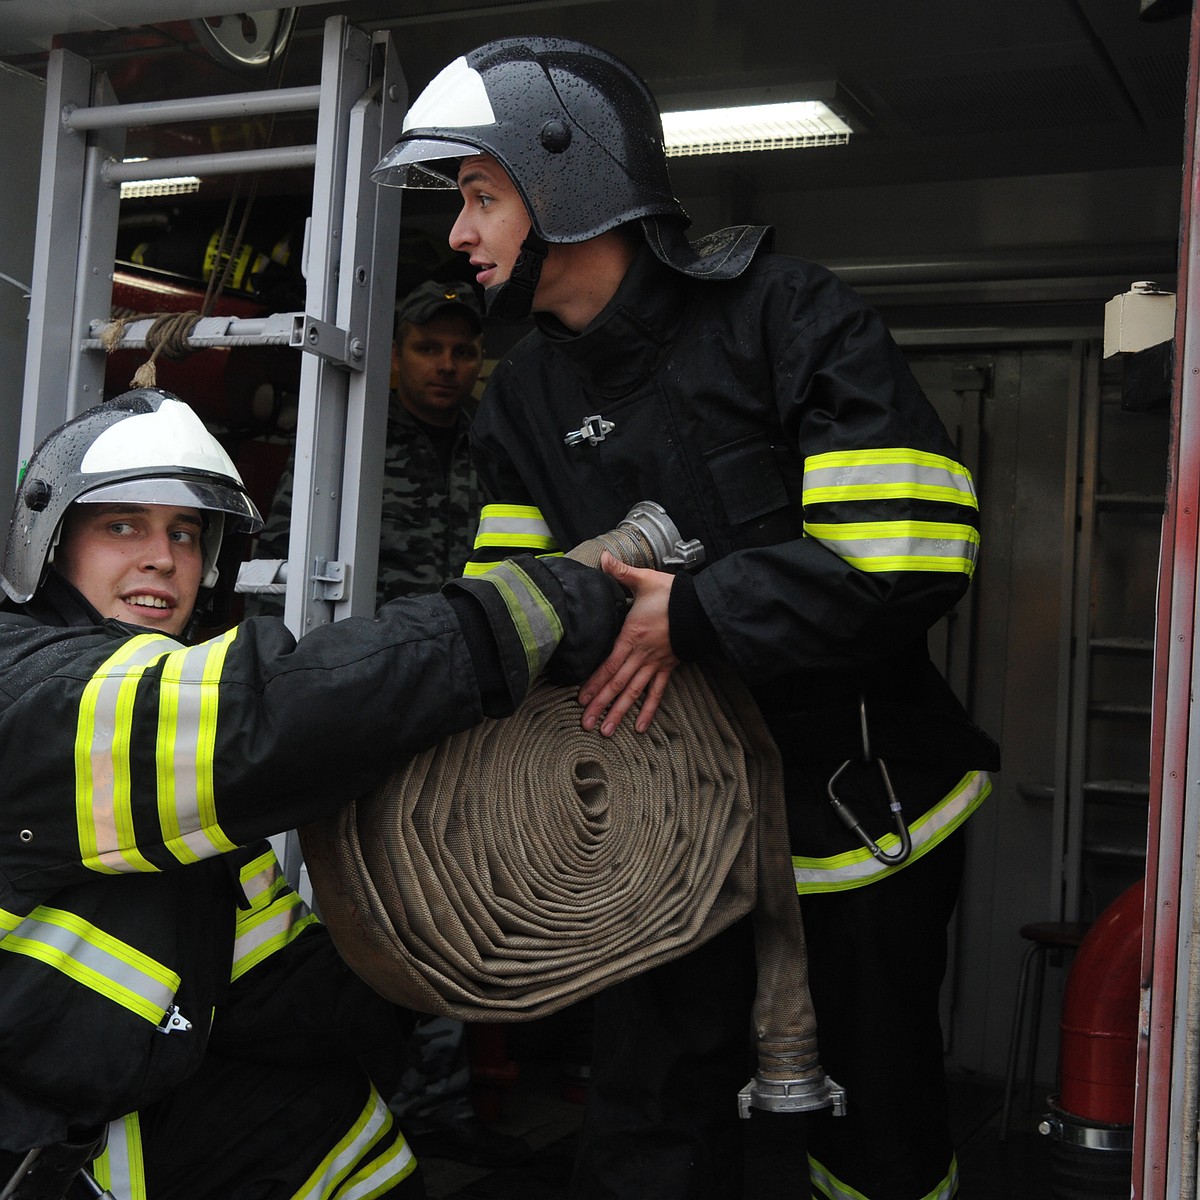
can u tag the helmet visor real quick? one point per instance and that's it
(207, 495)
(423, 163)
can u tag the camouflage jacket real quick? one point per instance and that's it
(427, 521)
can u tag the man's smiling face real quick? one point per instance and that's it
(137, 563)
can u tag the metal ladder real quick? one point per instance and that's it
(344, 332)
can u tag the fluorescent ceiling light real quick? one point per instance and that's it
(175, 185)
(787, 126)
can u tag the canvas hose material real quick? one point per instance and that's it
(524, 864)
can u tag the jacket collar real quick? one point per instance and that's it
(626, 340)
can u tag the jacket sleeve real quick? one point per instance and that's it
(889, 516)
(128, 752)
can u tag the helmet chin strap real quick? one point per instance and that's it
(512, 300)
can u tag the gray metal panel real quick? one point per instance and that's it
(324, 387)
(22, 99)
(367, 303)
(55, 254)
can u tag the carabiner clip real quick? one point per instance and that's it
(901, 853)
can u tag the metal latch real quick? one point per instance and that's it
(328, 579)
(327, 341)
(594, 429)
(174, 1021)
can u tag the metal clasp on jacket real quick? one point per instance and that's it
(901, 853)
(174, 1021)
(594, 429)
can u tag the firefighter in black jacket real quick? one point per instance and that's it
(158, 978)
(767, 409)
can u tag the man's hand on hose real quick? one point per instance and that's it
(641, 661)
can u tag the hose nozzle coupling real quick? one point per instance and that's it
(792, 1095)
(645, 537)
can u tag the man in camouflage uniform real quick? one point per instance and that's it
(431, 497)
(431, 502)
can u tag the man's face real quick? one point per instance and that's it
(436, 365)
(138, 563)
(493, 221)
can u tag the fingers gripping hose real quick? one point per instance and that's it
(524, 864)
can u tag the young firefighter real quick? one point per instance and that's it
(158, 977)
(767, 409)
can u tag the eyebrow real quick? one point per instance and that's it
(475, 175)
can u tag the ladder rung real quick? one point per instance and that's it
(1120, 710)
(1116, 789)
(273, 330)
(196, 108)
(233, 162)
(1111, 850)
(1119, 645)
(1128, 502)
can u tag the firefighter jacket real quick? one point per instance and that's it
(775, 420)
(141, 774)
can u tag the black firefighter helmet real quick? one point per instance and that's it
(579, 134)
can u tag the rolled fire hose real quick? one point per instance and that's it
(525, 864)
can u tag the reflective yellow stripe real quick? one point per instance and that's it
(854, 868)
(886, 474)
(900, 545)
(520, 526)
(381, 1174)
(185, 748)
(373, 1123)
(91, 957)
(121, 1169)
(187, 737)
(103, 808)
(533, 616)
(826, 1184)
(276, 916)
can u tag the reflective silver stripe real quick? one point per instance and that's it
(121, 1168)
(900, 545)
(372, 1124)
(857, 867)
(383, 1172)
(103, 807)
(825, 1183)
(186, 750)
(533, 616)
(277, 913)
(517, 525)
(89, 956)
(893, 473)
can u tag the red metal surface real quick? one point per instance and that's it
(1100, 1016)
(1173, 654)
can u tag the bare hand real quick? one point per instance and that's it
(641, 661)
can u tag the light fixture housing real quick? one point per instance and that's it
(773, 118)
(176, 185)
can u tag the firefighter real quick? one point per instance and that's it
(766, 407)
(163, 983)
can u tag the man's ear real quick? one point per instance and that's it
(394, 381)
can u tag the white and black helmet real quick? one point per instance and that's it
(143, 447)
